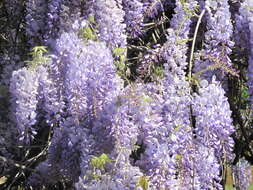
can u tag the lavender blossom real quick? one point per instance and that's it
(123, 178)
(68, 150)
(115, 130)
(36, 20)
(213, 120)
(242, 174)
(242, 28)
(62, 15)
(50, 106)
(218, 43)
(182, 18)
(172, 133)
(174, 51)
(133, 16)
(117, 125)
(109, 17)
(152, 7)
(174, 54)
(205, 168)
(53, 20)
(64, 152)
(244, 39)
(219, 27)
(177, 131)
(84, 65)
(90, 83)
(46, 20)
(166, 133)
(24, 90)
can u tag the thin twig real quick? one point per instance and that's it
(194, 41)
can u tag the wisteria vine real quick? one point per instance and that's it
(126, 94)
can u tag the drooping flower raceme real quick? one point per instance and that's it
(46, 20)
(117, 125)
(36, 20)
(244, 39)
(90, 79)
(181, 20)
(81, 97)
(34, 97)
(65, 151)
(116, 130)
(133, 16)
(50, 106)
(152, 8)
(242, 174)
(109, 17)
(243, 18)
(218, 44)
(175, 137)
(62, 16)
(220, 29)
(166, 134)
(173, 54)
(175, 49)
(24, 90)
(68, 156)
(213, 120)
(53, 21)
(167, 140)
(89, 82)
(206, 168)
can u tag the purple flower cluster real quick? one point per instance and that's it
(152, 7)
(242, 174)
(24, 91)
(84, 65)
(133, 16)
(96, 125)
(35, 17)
(109, 16)
(49, 102)
(244, 39)
(46, 20)
(175, 49)
(218, 44)
(213, 120)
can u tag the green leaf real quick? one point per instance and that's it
(147, 99)
(99, 162)
(178, 156)
(143, 183)
(21, 188)
(245, 93)
(119, 51)
(122, 59)
(249, 7)
(120, 66)
(38, 57)
(104, 157)
(158, 71)
(3, 179)
(88, 33)
(91, 18)
(37, 49)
